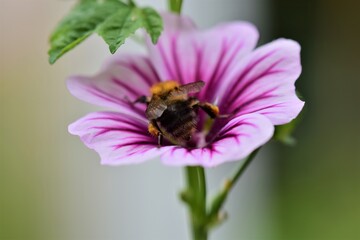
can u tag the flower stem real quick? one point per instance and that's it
(175, 6)
(131, 3)
(195, 193)
(214, 217)
(195, 196)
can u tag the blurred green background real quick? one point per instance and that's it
(318, 181)
(47, 193)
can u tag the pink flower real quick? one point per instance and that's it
(255, 85)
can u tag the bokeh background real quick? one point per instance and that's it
(53, 188)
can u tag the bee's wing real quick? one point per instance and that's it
(193, 87)
(155, 109)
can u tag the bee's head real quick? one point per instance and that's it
(163, 87)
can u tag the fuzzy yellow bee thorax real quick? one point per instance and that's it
(163, 87)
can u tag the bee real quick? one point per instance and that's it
(172, 113)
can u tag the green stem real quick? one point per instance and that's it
(214, 216)
(196, 199)
(131, 3)
(195, 194)
(175, 6)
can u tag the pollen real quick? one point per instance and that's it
(215, 109)
(211, 109)
(163, 87)
(153, 130)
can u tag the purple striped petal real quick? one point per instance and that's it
(264, 83)
(186, 55)
(118, 138)
(121, 81)
(236, 140)
(161, 55)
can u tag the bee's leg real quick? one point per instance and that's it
(142, 99)
(212, 110)
(160, 140)
(154, 130)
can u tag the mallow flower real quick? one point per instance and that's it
(254, 87)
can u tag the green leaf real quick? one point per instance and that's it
(79, 24)
(152, 23)
(283, 133)
(119, 27)
(126, 21)
(113, 20)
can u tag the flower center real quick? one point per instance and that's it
(174, 115)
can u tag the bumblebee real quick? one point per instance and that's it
(172, 113)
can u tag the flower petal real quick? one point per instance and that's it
(118, 138)
(186, 55)
(121, 81)
(174, 23)
(161, 54)
(236, 140)
(264, 83)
